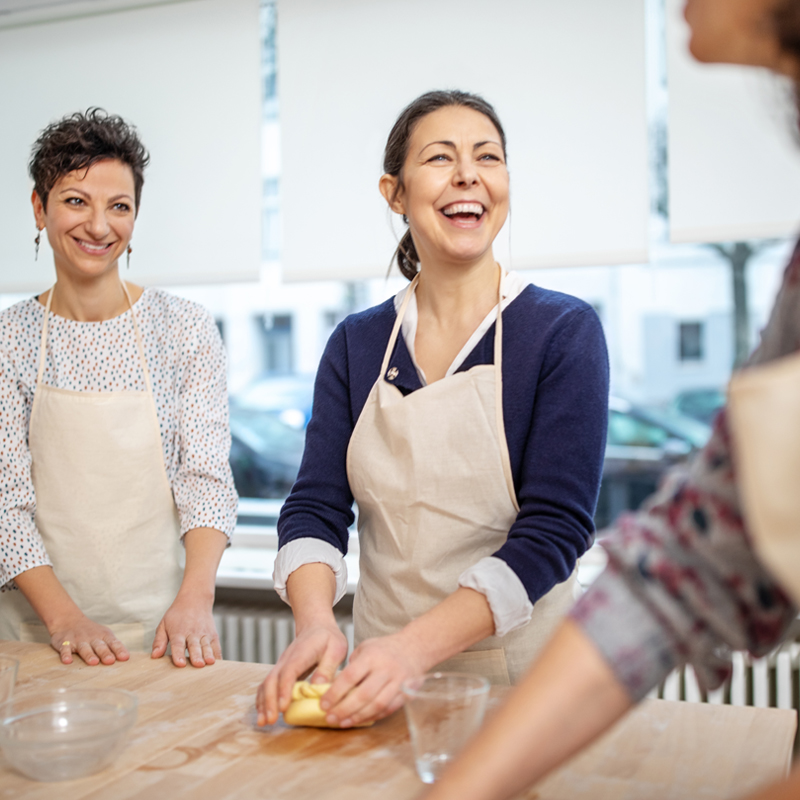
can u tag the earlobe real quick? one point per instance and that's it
(38, 209)
(392, 193)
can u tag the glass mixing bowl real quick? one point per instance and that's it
(60, 734)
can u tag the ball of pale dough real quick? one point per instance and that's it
(304, 710)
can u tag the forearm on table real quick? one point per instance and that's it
(458, 622)
(204, 549)
(311, 590)
(48, 598)
(568, 698)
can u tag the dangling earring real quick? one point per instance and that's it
(37, 241)
(130, 249)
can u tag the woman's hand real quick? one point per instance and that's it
(369, 688)
(71, 631)
(188, 625)
(319, 645)
(93, 642)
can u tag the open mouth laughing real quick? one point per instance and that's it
(464, 212)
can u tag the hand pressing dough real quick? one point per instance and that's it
(305, 710)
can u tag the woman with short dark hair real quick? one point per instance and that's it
(115, 423)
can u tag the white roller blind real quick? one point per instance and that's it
(566, 77)
(734, 170)
(187, 75)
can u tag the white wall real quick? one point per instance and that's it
(187, 74)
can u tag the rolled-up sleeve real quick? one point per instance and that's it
(298, 553)
(504, 592)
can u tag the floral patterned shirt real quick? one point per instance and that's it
(683, 582)
(186, 360)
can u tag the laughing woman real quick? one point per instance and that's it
(467, 418)
(115, 425)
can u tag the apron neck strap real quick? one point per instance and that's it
(498, 328)
(397, 323)
(43, 339)
(139, 343)
(498, 396)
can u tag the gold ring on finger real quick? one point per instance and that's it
(66, 644)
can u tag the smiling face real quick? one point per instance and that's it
(454, 186)
(89, 218)
(735, 32)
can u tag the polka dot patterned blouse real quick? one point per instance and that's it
(186, 360)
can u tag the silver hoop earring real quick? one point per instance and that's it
(37, 241)
(130, 250)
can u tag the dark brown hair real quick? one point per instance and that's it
(79, 140)
(394, 156)
(787, 28)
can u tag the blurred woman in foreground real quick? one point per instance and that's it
(684, 583)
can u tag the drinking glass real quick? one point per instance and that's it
(443, 710)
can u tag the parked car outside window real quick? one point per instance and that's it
(642, 443)
(268, 434)
(700, 404)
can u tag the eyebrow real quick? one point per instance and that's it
(75, 190)
(448, 143)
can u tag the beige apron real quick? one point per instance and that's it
(432, 478)
(764, 413)
(104, 507)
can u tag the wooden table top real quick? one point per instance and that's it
(195, 737)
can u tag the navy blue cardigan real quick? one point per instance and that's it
(555, 406)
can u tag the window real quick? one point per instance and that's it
(690, 335)
(276, 340)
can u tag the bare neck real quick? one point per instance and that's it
(451, 294)
(94, 300)
(451, 304)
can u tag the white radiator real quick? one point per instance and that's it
(260, 636)
(770, 682)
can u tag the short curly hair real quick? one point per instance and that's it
(79, 140)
